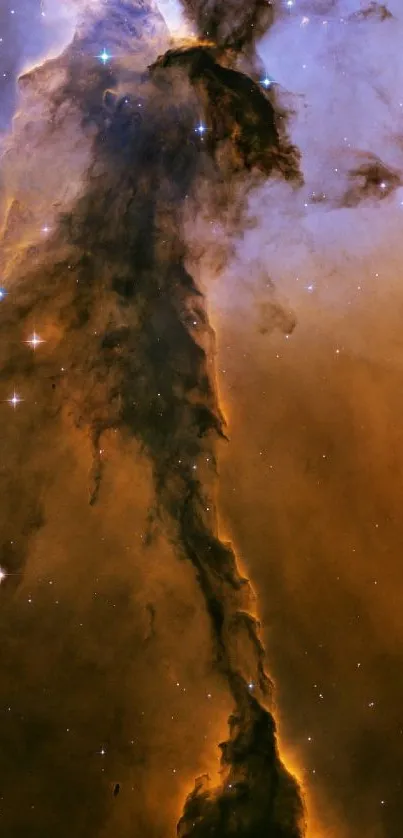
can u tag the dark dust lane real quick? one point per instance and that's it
(110, 427)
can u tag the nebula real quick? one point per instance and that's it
(125, 348)
(200, 369)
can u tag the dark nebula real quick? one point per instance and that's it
(233, 25)
(131, 353)
(200, 384)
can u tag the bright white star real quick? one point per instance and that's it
(14, 400)
(104, 56)
(34, 340)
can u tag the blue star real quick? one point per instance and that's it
(201, 129)
(266, 82)
(3, 294)
(104, 56)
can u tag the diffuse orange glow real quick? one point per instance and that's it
(200, 349)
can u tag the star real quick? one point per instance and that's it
(3, 575)
(201, 129)
(104, 56)
(14, 400)
(266, 82)
(34, 341)
(3, 293)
